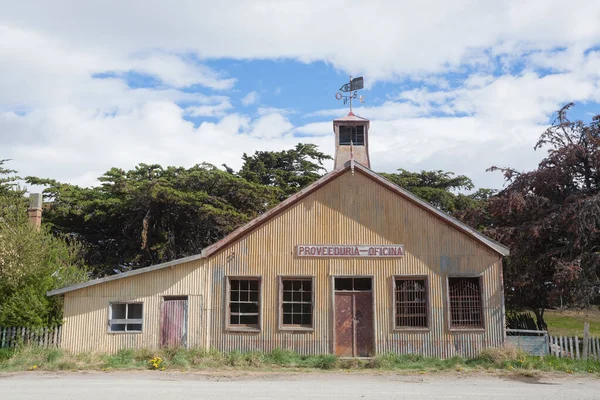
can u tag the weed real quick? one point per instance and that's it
(53, 355)
(156, 363)
(510, 359)
(5, 354)
(283, 357)
(326, 361)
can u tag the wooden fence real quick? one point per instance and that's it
(45, 337)
(575, 348)
(539, 343)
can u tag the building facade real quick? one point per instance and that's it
(352, 265)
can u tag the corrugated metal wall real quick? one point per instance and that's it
(354, 210)
(86, 310)
(351, 209)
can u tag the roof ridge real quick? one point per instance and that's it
(259, 220)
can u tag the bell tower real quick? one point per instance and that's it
(351, 140)
(351, 132)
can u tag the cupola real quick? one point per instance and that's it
(351, 140)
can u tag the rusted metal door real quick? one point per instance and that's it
(354, 324)
(363, 322)
(173, 323)
(344, 324)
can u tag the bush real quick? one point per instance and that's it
(501, 355)
(5, 354)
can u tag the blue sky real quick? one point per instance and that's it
(86, 86)
(303, 89)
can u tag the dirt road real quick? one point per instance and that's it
(163, 386)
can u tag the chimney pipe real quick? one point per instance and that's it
(35, 210)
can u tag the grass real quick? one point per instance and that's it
(490, 360)
(570, 322)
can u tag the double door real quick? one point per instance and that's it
(353, 317)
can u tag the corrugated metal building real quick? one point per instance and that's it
(352, 265)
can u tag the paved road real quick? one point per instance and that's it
(163, 386)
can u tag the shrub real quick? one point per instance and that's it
(500, 355)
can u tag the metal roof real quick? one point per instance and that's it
(290, 201)
(350, 118)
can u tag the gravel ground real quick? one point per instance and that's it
(247, 385)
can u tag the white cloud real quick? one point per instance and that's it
(449, 34)
(56, 120)
(212, 110)
(250, 98)
(271, 126)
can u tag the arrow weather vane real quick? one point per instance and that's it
(351, 88)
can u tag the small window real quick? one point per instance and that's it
(126, 317)
(465, 303)
(296, 303)
(354, 134)
(411, 302)
(244, 303)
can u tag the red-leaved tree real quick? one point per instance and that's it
(550, 219)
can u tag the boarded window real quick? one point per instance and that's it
(244, 302)
(411, 302)
(297, 302)
(126, 317)
(354, 134)
(465, 303)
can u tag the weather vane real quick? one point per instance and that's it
(351, 88)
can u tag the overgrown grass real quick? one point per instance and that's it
(506, 359)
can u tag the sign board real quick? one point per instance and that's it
(350, 251)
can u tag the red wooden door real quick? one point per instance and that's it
(173, 323)
(354, 324)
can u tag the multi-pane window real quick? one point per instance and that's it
(244, 302)
(125, 317)
(296, 302)
(465, 303)
(411, 302)
(354, 134)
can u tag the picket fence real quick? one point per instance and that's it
(44, 337)
(539, 343)
(575, 347)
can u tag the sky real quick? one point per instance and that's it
(456, 86)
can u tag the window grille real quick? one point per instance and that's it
(126, 317)
(465, 303)
(411, 303)
(297, 302)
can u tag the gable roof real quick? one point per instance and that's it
(289, 202)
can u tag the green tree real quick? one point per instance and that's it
(152, 214)
(31, 263)
(289, 171)
(441, 189)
